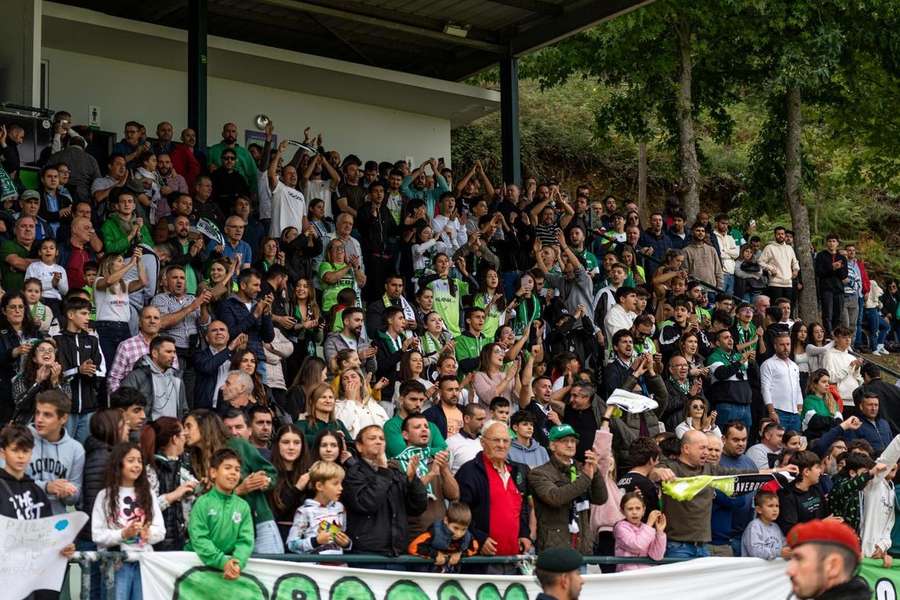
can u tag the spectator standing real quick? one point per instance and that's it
(831, 271)
(780, 385)
(245, 165)
(731, 514)
(856, 287)
(159, 382)
(888, 395)
(802, 499)
(779, 260)
(57, 461)
(288, 203)
(466, 443)
(701, 260)
(245, 312)
(186, 160)
(843, 368)
(380, 498)
(762, 538)
(728, 251)
(409, 402)
(82, 363)
(495, 491)
(82, 166)
(730, 391)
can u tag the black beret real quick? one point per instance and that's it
(559, 560)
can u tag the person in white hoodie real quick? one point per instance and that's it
(878, 499)
(843, 368)
(780, 262)
(57, 462)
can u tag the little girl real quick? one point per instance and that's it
(634, 538)
(40, 312)
(126, 516)
(52, 277)
(425, 250)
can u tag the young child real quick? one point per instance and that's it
(126, 516)
(52, 277)
(500, 408)
(57, 466)
(221, 526)
(447, 539)
(320, 522)
(40, 312)
(636, 538)
(763, 538)
(20, 496)
(844, 499)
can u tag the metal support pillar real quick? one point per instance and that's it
(197, 70)
(509, 120)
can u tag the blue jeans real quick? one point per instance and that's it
(728, 283)
(790, 421)
(686, 550)
(861, 308)
(878, 327)
(727, 411)
(128, 582)
(268, 539)
(79, 426)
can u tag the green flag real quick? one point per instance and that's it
(686, 488)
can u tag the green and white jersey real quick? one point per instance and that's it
(446, 304)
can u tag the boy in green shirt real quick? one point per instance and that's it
(221, 527)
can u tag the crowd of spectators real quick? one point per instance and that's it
(386, 358)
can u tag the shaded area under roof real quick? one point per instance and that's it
(402, 35)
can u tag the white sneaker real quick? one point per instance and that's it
(880, 350)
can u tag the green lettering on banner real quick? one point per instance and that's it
(351, 588)
(206, 582)
(451, 590)
(515, 591)
(405, 590)
(295, 587)
(883, 582)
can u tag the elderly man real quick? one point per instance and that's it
(155, 377)
(380, 498)
(244, 164)
(495, 491)
(824, 559)
(352, 249)
(237, 392)
(132, 349)
(690, 532)
(563, 491)
(234, 248)
(14, 254)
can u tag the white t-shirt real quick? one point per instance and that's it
(112, 306)
(288, 209)
(320, 189)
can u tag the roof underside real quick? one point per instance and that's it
(401, 35)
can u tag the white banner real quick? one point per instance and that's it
(30, 556)
(181, 576)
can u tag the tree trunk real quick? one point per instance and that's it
(808, 306)
(642, 182)
(690, 168)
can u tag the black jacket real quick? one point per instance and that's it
(96, 461)
(299, 255)
(168, 475)
(888, 400)
(72, 350)
(378, 504)
(206, 367)
(830, 278)
(855, 589)
(475, 491)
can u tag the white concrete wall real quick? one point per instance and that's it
(125, 91)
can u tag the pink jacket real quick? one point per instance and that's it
(638, 540)
(604, 516)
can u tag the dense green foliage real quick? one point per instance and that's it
(592, 98)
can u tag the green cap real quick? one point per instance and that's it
(559, 432)
(559, 560)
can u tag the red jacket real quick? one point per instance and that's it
(186, 164)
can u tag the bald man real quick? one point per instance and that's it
(245, 165)
(689, 531)
(234, 245)
(77, 251)
(489, 480)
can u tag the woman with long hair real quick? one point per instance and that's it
(448, 292)
(698, 418)
(320, 409)
(490, 298)
(356, 408)
(412, 367)
(111, 298)
(219, 281)
(490, 380)
(635, 272)
(162, 446)
(329, 446)
(313, 372)
(337, 272)
(820, 401)
(306, 331)
(817, 346)
(108, 428)
(205, 434)
(18, 334)
(689, 345)
(269, 254)
(290, 462)
(799, 335)
(527, 303)
(41, 372)
(245, 360)
(302, 250)
(435, 341)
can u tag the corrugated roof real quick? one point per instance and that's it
(406, 35)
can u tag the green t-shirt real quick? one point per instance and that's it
(330, 290)
(814, 403)
(446, 304)
(190, 276)
(491, 317)
(13, 279)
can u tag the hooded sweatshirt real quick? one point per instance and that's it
(534, 455)
(878, 505)
(163, 390)
(22, 498)
(62, 459)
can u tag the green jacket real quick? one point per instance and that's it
(395, 444)
(220, 528)
(251, 462)
(468, 351)
(115, 235)
(311, 431)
